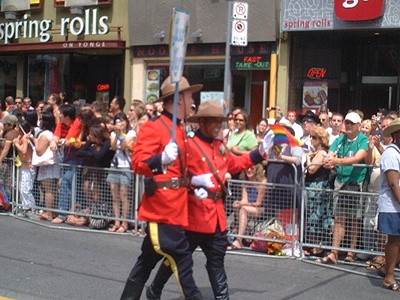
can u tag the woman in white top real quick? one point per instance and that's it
(48, 175)
(121, 139)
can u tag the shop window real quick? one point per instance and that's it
(61, 3)
(8, 69)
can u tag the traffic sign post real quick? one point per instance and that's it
(239, 33)
(239, 17)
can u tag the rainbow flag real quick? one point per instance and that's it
(4, 198)
(282, 137)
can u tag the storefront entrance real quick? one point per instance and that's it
(378, 95)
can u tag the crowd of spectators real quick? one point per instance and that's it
(85, 135)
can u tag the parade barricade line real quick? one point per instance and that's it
(90, 196)
(317, 219)
(279, 203)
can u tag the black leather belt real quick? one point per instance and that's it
(174, 183)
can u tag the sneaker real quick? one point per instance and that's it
(22, 213)
(31, 215)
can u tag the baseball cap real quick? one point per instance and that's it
(353, 117)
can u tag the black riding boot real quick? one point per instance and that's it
(132, 290)
(195, 297)
(153, 292)
(219, 283)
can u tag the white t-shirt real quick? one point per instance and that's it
(390, 160)
(121, 158)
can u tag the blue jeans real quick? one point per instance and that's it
(66, 189)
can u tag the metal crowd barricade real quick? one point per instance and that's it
(89, 190)
(318, 220)
(279, 203)
(8, 177)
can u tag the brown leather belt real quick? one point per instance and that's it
(212, 195)
(174, 183)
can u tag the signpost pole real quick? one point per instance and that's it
(227, 74)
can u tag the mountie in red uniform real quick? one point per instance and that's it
(164, 206)
(167, 204)
(205, 215)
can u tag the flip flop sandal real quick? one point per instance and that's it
(327, 260)
(393, 287)
(350, 258)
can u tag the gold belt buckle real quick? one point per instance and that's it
(175, 183)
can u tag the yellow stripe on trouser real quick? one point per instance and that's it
(5, 298)
(153, 228)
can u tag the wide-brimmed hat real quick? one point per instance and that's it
(310, 115)
(209, 109)
(393, 127)
(10, 119)
(168, 88)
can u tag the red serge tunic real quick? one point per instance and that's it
(167, 205)
(204, 215)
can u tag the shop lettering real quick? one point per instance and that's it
(317, 73)
(307, 24)
(91, 24)
(84, 45)
(103, 87)
(251, 65)
(214, 49)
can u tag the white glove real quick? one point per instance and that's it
(201, 193)
(170, 153)
(203, 180)
(267, 142)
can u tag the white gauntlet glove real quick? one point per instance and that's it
(203, 180)
(201, 193)
(266, 143)
(170, 153)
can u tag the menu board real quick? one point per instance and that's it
(315, 95)
(152, 85)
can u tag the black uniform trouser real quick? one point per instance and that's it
(170, 242)
(213, 246)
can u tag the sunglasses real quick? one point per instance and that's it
(314, 137)
(308, 120)
(348, 123)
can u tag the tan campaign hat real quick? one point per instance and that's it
(168, 88)
(208, 109)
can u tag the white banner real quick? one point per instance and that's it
(178, 41)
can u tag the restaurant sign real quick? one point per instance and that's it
(339, 14)
(89, 24)
(250, 62)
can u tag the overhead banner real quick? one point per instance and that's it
(178, 42)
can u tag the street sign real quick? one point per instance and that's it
(239, 33)
(240, 10)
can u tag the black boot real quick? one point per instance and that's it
(195, 297)
(153, 292)
(132, 290)
(219, 283)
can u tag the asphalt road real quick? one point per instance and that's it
(45, 262)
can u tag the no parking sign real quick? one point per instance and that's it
(239, 24)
